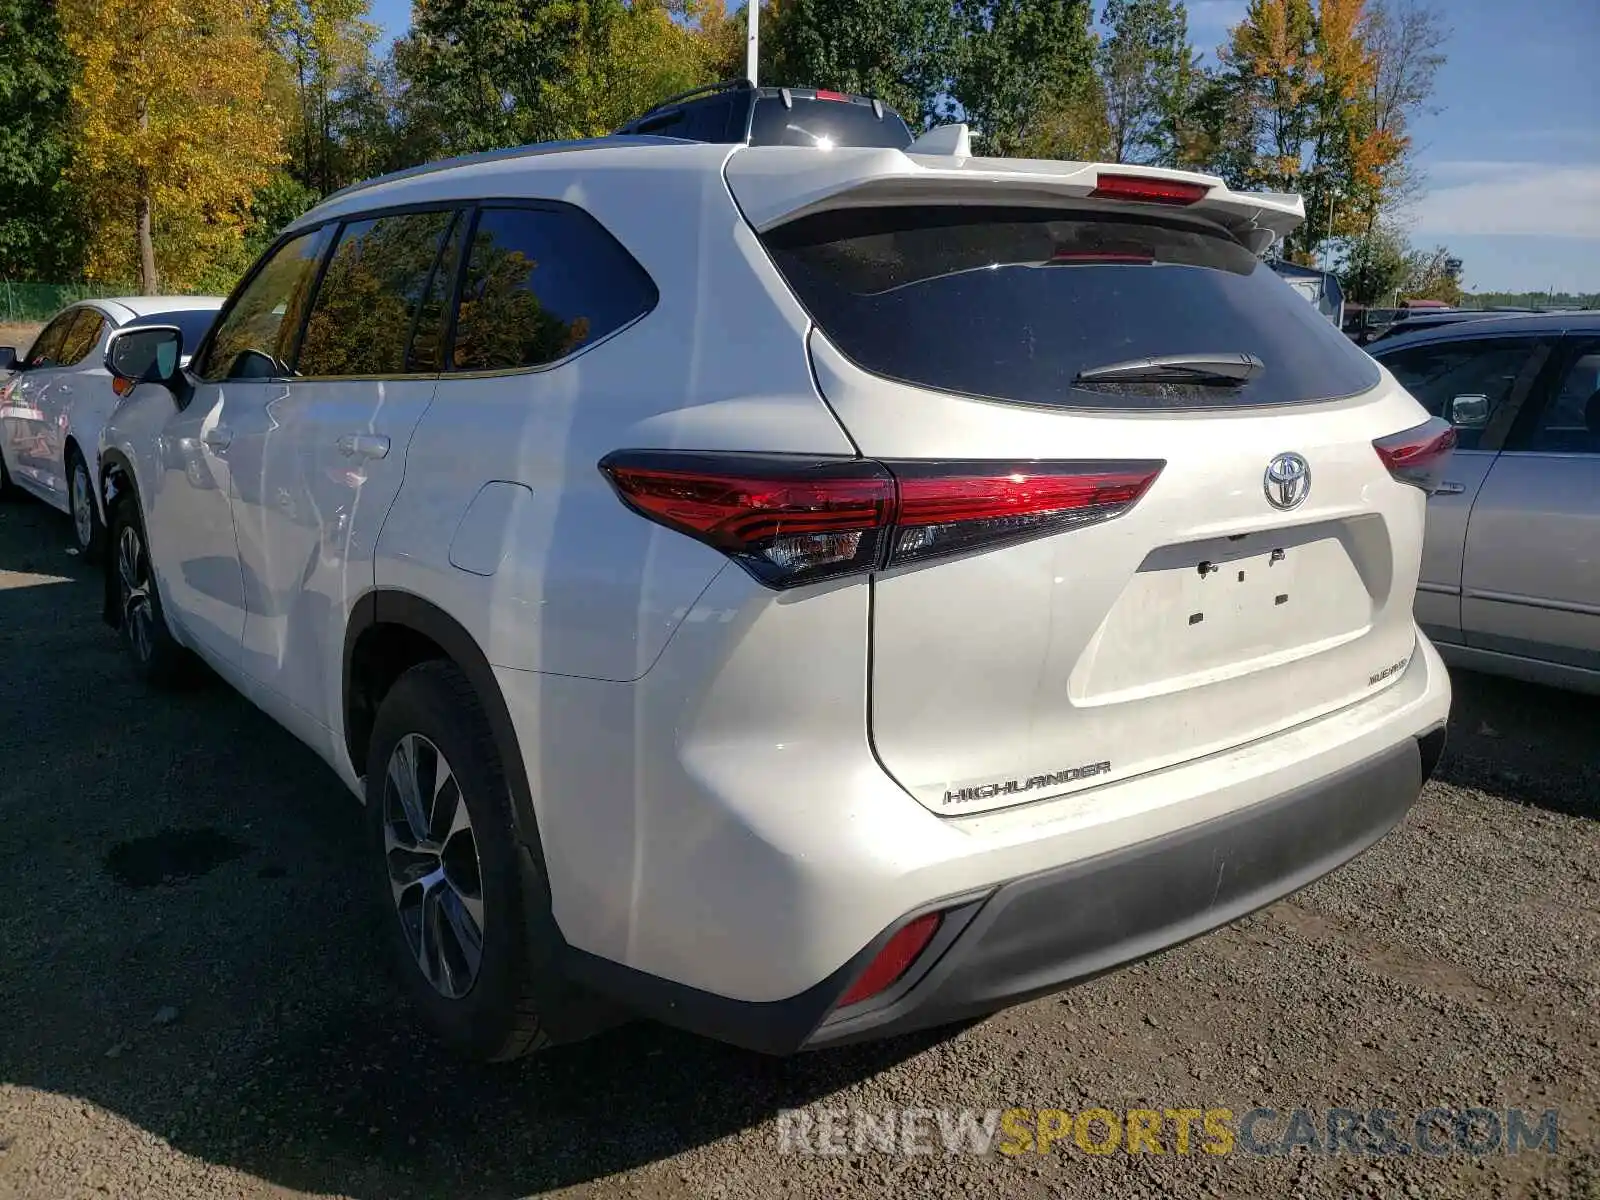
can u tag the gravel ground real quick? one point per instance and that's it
(193, 1005)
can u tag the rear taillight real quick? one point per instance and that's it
(823, 94)
(790, 520)
(1144, 190)
(1418, 455)
(894, 960)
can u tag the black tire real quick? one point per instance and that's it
(516, 1002)
(94, 546)
(157, 658)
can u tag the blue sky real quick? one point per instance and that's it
(1512, 157)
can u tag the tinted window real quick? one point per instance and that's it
(81, 338)
(540, 284)
(1570, 422)
(1436, 374)
(825, 123)
(192, 323)
(254, 339)
(370, 292)
(432, 326)
(1014, 303)
(46, 348)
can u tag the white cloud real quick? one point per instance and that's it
(1511, 198)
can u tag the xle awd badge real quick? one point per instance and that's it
(1288, 481)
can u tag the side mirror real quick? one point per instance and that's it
(146, 354)
(1469, 412)
(8, 358)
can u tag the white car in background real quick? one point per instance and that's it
(59, 394)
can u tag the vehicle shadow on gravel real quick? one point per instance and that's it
(187, 946)
(1525, 743)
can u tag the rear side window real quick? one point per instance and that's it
(825, 123)
(252, 341)
(1011, 304)
(370, 295)
(1570, 421)
(540, 284)
(191, 322)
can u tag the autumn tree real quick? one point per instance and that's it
(39, 233)
(173, 135)
(1148, 72)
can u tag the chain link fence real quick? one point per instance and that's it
(29, 303)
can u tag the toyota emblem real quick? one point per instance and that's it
(1288, 481)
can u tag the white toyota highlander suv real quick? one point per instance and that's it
(797, 594)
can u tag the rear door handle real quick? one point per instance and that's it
(364, 445)
(218, 437)
(1449, 488)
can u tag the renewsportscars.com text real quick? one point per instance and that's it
(1266, 1132)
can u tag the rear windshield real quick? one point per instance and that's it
(825, 123)
(193, 323)
(1012, 304)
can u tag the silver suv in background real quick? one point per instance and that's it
(1511, 565)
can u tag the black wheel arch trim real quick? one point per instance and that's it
(388, 606)
(113, 462)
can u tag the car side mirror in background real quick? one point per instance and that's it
(147, 354)
(1469, 412)
(8, 358)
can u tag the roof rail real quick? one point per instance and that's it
(531, 150)
(705, 89)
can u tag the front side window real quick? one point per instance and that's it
(1465, 382)
(254, 339)
(541, 284)
(46, 348)
(82, 337)
(370, 295)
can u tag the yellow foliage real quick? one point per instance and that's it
(172, 103)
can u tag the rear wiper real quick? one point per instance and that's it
(1197, 370)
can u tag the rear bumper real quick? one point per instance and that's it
(1040, 932)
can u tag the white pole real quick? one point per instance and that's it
(753, 7)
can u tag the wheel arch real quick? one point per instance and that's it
(385, 619)
(116, 481)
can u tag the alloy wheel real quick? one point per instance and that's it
(82, 506)
(432, 858)
(133, 577)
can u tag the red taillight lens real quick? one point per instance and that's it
(896, 957)
(1143, 190)
(786, 520)
(948, 507)
(1418, 456)
(790, 520)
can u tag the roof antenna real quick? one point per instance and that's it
(753, 7)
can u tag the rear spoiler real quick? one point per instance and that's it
(778, 184)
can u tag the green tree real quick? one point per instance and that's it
(319, 42)
(1373, 265)
(40, 234)
(1017, 62)
(896, 50)
(1432, 274)
(1147, 73)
